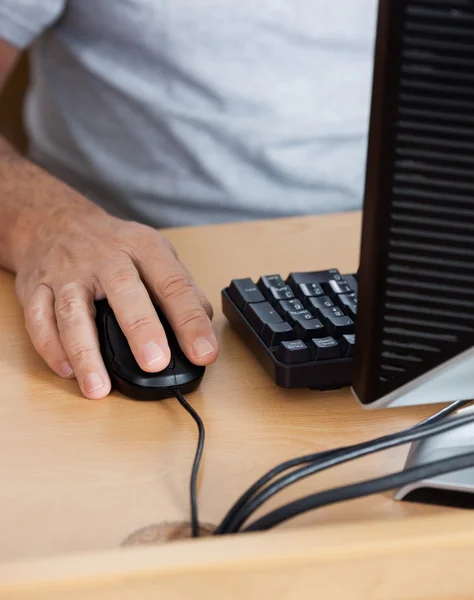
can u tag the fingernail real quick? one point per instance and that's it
(202, 346)
(92, 382)
(152, 353)
(66, 369)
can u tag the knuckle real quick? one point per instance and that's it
(175, 285)
(45, 346)
(81, 354)
(139, 235)
(138, 324)
(123, 280)
(68, 306)
(194, 316)
(38, 308)
(34, 315)
(137, 228)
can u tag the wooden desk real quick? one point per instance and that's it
(79, 476)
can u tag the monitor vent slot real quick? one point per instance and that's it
(428, 299)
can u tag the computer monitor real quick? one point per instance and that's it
(415, 323)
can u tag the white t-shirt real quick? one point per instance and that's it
(176, 112)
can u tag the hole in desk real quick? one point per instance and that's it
(162, 533)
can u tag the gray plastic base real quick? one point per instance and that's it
(453, 489)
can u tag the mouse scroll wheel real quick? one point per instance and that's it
(171, 363)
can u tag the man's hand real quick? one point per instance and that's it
(85, 255)
(67, 253)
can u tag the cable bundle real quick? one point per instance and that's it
(260, 492)
(304, 466)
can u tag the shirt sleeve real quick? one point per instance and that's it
(21, 21)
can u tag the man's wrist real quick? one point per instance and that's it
(32, 204)
(34, 224)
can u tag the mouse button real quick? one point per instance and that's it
(117, 341)
(135, 376)
(185, 368)
(123, 361)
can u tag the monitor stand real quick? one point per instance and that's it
(450, 381)
(454, 489)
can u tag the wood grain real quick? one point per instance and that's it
(82, 476)
(424, 559)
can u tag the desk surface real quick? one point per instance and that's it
(80, 475)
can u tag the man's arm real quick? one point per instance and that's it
(67, 252)
(8, 160)
(28, 196)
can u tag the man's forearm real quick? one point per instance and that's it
(30, 198)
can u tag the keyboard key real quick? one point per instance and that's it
(308, 290)
(319, 302)
(348, 303)
(243, 291)
(309, 329)
(335, 288)
(273, 295)
(352, 281)
(325, 313)
(293, 352)
(270, 281)
(286, 306)
(260, 315)
(325, 348)
(293, 311)
(275, 333)
(337, 326)
(295, 279)
(296, 316)
(348, 345)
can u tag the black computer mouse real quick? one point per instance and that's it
(126, 375)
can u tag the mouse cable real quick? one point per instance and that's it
(362, 489)
(197, 460)
(252, 499)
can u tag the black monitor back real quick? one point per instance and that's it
(416, 276)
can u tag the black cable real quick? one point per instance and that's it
(238, 505)
(364, 488)
(340, 456)
(246, 496)
(197, 461)
(444, 412)
(250, 502)
(289, 464)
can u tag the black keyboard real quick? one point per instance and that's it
(301, 328)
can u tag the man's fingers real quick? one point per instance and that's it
(200, 294)
(207, 306)
(77, 331)
(40, 321)
(136, 315)
(182, 305)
